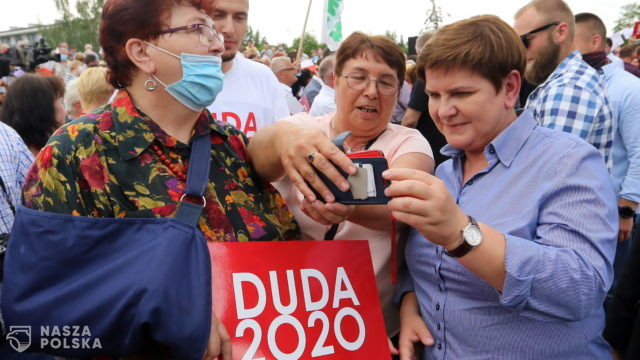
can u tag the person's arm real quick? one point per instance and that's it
(411, 117)
(570, 258)
(418, 103)
(591, 118)
(284, 148)
(22, 161)
(629, 130)
(59, 180)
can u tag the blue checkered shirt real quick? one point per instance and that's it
(573, 100)
(15, 161)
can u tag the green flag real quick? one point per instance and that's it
(332, 24)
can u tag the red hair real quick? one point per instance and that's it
(142, 19)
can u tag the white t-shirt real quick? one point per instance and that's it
(325, 102)
(292, 103)
(251, 98)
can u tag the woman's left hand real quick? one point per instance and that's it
(326, 214)
(424, 202)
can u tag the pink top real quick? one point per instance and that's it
(396, 141)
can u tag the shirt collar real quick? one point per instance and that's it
(136, 131)
(507, 144)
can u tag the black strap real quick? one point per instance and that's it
(4, 189)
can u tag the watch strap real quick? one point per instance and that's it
(626, 212)
(465, 247)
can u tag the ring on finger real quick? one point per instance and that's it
(312, 156)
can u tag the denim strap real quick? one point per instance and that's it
(197, 179)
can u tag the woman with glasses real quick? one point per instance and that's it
(130, 158)
(369, 71)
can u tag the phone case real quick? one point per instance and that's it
(367, 186)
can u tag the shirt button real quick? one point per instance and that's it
(438, 307)
(439, 346)
(491, 151)
(470, 182)
(438, 326)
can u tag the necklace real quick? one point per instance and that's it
(347, 148)
(172, 167)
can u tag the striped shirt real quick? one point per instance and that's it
(573, 100)
(15, 161)
(551, 195)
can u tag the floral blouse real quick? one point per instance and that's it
(104, 165)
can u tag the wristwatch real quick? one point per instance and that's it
(626, 212)
(471, 237)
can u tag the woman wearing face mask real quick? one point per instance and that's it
(131, 159)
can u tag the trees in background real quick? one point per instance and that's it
(75, 28)
(629, 14)
(310, 44)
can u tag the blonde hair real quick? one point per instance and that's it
(93, 88)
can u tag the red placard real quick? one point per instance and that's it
(335, 311)
(636, 30)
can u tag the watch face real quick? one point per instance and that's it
(472, 235)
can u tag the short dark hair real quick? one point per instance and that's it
(594, 22)
(29, 107)
(627, 51)
(89, 58)
(381, 47)
(494, 53)
(126, 19)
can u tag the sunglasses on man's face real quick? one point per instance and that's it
(525, 37)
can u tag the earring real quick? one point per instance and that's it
(150, 85)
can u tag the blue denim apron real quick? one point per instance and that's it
(133, 283)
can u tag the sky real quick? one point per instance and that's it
(282, 20)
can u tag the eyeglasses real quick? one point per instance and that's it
(206, 34)
(358, 81)
(525, 37)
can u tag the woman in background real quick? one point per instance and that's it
(34, 108)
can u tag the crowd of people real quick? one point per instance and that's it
(514, 172)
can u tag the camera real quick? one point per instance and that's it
(42, 53)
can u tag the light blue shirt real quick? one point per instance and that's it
(551, 195)
(623, 90)
(15, 161)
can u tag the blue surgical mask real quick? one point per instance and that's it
(201, 82)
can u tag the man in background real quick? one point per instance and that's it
(570, 94)
(247, 100)
(325, 101)
(285, 72)
(629, 55)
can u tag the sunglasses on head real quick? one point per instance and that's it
(525, 37)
